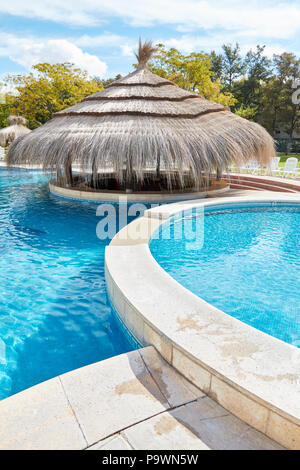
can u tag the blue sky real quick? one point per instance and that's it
(100, 35)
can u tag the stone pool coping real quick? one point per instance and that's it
(132, 401)
(253, 375)
(146, 196)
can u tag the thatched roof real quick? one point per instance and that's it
(15, 130)
(144, 121)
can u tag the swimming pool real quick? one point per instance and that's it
(54, 313)
(248, 266)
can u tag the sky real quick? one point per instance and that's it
(101, 35)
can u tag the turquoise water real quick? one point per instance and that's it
(54, 313)
(249, 265)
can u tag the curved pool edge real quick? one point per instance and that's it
(111, 196)
(253, 375)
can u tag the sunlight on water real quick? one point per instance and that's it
(249, 266)
(54, 314)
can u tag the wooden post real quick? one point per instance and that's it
(158, 168)
(59, 177)
(129, 182)
(68, 174)
(219, 174)
(94, 174)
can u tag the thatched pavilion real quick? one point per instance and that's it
(143, 132)
(14, 131)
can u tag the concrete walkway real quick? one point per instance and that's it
(132, 401)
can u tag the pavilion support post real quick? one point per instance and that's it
(68, 174)
(94, 174)
(129, 179)
(59, 177)
(219, 173)
(158, 168)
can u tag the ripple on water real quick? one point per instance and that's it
(54, 314)
(249, 266)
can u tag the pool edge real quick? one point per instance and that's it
(277, 422)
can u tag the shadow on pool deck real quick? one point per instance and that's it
(191, 420)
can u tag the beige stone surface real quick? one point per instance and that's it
(137, 232)
(134, 322)
(116, 442)
(283, 431)
(39, 418)
(246, 409)
(112, 394)
(263, 371)
(219, 429)
(132, 197)
(193, 371)
(135, 400)
(198, 425)
(163, 432)
(160, 342)
(173, 385)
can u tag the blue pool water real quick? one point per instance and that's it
(249, 265)
(54, 313)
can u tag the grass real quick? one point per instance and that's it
(285, 156)
(283, 159)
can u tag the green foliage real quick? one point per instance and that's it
(49, 89)
(4, 108)
(216, 65)
(249, 90)
(254, 86)
(191, 72)
(278, 109)
(246, 112)
(108, 81)
(233, 65)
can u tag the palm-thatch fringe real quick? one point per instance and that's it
(140, 124)
(14, 131)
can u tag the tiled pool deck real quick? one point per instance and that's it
(133, 401)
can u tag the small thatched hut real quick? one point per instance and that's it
(14, 131)
(143, 132)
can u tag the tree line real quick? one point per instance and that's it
(253, 85)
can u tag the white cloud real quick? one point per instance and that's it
(268, 19)
(101, 40)
(127, 50)
(107, 40)
(189, 43)
(31, 51)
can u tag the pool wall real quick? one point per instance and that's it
(107, 195)
(253, 375)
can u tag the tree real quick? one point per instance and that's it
(288, 70)
(247, 112)
(216, 66)
(257, 64)
(248, 90)
(191, 72)
(49, 89)
(4, 107)
(108, 81)
(279, 111)
(233, 66)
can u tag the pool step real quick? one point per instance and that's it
(243, 186)
(260, 183)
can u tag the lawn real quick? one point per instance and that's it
(285, 156)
